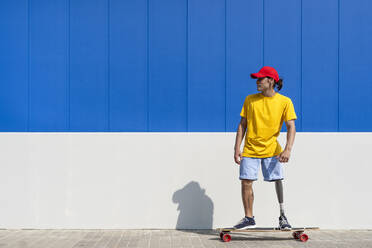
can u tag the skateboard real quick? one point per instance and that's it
(297, 232)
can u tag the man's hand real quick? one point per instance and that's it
(284, 156)
(238, 156)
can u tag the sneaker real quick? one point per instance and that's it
(284, 224)
(245, 223)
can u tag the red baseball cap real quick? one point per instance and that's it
(266, 71)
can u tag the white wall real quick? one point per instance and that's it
(138, 180)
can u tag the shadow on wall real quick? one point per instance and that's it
(196, 208)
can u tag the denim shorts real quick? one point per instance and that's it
(271, 168)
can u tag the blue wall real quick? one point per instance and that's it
(181, 65)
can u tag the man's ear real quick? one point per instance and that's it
(272, 82)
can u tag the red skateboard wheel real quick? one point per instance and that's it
(304, 237)
(221, 234)
(295, 235)
(226, 237)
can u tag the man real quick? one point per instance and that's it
(262, 116)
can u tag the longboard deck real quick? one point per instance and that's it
(266, 229)
(297, 232)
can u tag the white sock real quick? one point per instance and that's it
(281, 208)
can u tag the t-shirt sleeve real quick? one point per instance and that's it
(244, 111)
(289, 112)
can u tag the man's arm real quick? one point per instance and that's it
(238, 140)
(291, 132)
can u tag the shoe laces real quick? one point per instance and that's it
(241, 221)
(283, 220)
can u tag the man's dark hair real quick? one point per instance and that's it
(279, 84)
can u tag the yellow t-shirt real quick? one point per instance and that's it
(265, 116)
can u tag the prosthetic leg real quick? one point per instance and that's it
(283, 222)
(279, 194)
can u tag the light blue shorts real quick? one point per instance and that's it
(272, 169)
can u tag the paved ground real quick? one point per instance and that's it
(177, 239)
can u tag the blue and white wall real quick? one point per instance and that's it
(122, 114)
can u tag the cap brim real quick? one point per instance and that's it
(257, 75)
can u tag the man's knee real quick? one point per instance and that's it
(247, 183)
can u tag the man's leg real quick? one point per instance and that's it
(283, 222)
(248, 174)
(273, 172)
(279, 194)
(247, 196)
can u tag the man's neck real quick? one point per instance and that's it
(269, 93)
